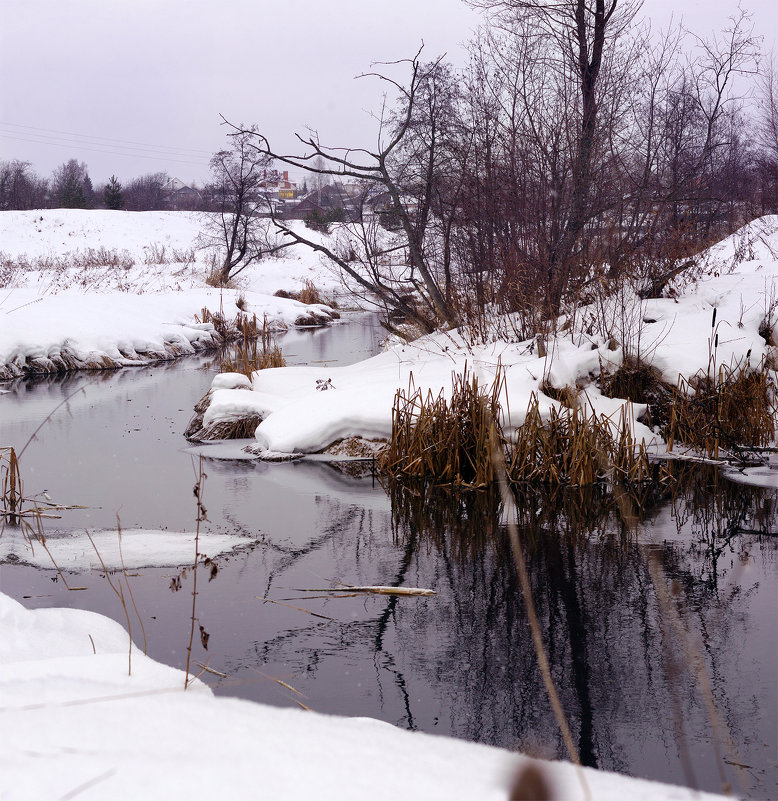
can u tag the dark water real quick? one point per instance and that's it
(461, 663)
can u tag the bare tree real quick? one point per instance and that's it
(145, 193)
(20, 187)
(401, 170)
(767, 137)
(237, 226)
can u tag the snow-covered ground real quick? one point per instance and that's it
(109, 288)
(678, 335)
(77, 725)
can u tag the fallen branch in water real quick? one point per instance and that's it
(377, 590)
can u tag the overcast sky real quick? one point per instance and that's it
(137, 86)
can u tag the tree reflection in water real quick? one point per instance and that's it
(623, 676)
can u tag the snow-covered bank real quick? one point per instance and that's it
(102, 289)
(677, 335)
(77, 724)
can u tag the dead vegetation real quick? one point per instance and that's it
(576, 448)
(309, 294)
(729, 410)
(26, 513)
(640, 383)
(452, 442)
(448, 441)
(253, 349)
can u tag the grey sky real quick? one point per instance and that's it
(157, 74)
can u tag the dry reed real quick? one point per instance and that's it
(253, 349)
(449, 442)
(730, 409)
(576, 448)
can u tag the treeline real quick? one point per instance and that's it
(577, 146)
(70, 187)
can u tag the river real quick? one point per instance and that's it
(461, 663)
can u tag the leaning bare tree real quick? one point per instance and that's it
(402, 175)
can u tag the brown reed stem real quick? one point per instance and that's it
(198, 493)
(532, 616)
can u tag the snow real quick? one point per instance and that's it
(73, 551)
(677, 335)
(78, 723)
(109, 288)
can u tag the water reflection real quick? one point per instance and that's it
(619, 669)
(459, 663)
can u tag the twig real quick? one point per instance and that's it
(298, 608)
(120, 596)
(532, 616)
(207, 669)
(198, 493)
(129, 588)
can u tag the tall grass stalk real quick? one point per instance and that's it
(201, 516)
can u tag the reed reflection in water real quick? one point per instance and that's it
(628, 683)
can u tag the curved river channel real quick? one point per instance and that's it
(459, 663)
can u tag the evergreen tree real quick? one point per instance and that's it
(89, 192)
(71, 194)
(112, 194)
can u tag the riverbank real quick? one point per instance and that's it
(717, 322)
(108, 289)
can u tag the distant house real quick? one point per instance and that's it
(277, 185)
(177, 195)
(329, 197)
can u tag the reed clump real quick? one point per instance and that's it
(253, 350)
(448, 441)
(576, 448)
(310, 294)
(454, 442)
(731, 409)
(640, 383)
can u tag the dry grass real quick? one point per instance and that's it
(11, 486)
(640, 383)
(730, 409)
(309, 294)
(253, 349)
(449, 442)
(239, 428)
(576, 448)
(25, 512)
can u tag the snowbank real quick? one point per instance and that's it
(95, 289)
(78, 725)
(73, 551)
(677, 335)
